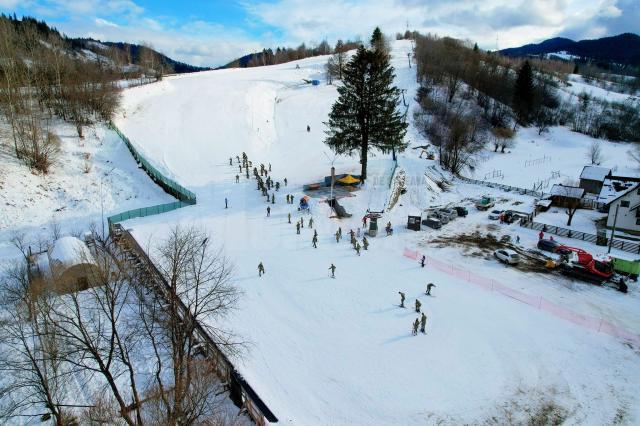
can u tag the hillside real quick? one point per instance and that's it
(332, 351)
(620, 49)
(126, 56)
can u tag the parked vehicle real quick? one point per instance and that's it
(495, 214)
(432, 222)
(449, 212)
(437, 214)
(581, 264)
(462, 211)
(485, 203)
(507, 256)
(548, 245)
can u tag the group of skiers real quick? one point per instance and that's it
(422, 320)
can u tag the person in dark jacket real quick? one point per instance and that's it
(429, 287)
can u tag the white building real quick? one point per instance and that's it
(627, 206)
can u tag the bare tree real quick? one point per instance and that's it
(99, 331)
(502, 138)
(198, 294)
(34, 374)
(594, 152)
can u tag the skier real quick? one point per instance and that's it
(315, 233)
(517, 239)
(541, 235)
(315, 241)
(357, 247)
(416, 323)
(423, 323)
(422, 261)
(230, 161)
(340, 231)
(308, 128)
(388, 229)
(418, 304)
(268, 211)
(333, 270)
(285, 181)
(273, 198)
(310, 222)
(240, 167)
(269, 166)
(289, 217)
(277, 186)
(298, 228)
(365, 243)
(260, 269)
(401, 299)
(364, 221)
(226, 203)
(337, 237)
(302, 222)
(429, 287)
(237, 178)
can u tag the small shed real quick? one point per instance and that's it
(413, 223)
(566, 196)
(66, 267)
(592, 178)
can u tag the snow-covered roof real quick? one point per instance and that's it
(567, 191)
(612, 189)
(69, 251)
(621, 194)
(594, 173)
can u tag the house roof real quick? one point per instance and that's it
(594, 173)
(567, 191)
(622, 194)
(70, 251)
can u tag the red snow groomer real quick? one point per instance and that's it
(581, 264)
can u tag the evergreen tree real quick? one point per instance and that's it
(524, 94)
(365, 115)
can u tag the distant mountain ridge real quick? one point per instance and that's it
(133, 55)
(621, 49)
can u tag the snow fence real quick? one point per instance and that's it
(598, 325)
(186, 197)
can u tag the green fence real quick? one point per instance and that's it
(169, 185)
(146, 211)
(186, 197)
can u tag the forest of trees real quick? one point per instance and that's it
(469, 97)
(116, 353)
(41, 81)
(282, 55)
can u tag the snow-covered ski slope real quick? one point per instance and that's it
(340, 351)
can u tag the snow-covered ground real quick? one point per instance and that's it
(90, 177)
(553, 157)
(578, 86)
(340, 351)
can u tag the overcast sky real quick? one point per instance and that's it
(212, 32)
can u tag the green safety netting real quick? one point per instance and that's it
(185, 196)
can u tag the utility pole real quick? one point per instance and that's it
(613, 230)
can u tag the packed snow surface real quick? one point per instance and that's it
(340, 351)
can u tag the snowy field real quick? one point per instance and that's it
(91, 176)
(339, 351)
(554, 157)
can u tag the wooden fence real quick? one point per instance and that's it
(240, 391)
(627, 246)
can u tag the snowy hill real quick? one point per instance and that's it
(340, 351)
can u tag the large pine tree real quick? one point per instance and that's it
(365, 115)
(523, 94)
